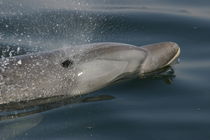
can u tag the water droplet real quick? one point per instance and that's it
(19, 62)
(10, 54)
(178, 60)
(18, 49)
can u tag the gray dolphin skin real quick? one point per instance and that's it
(79, 70)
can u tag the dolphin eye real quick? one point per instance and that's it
(67, 63)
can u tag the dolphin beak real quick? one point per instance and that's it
(159, 56)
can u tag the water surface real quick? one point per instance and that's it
(148, 109)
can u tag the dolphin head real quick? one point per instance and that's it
(159, 55)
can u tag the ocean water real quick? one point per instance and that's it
(169, 107)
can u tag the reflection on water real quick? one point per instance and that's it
(139, 109)
(12, 129)
(21, 109)
(194, 73)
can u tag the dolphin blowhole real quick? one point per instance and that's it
(67, 63)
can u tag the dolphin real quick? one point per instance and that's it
(79, 70)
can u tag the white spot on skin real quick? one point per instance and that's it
(19, 62)
(79, 74)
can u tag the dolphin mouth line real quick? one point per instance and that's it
(164, 67)
(173, 58)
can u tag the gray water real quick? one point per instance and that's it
(162, 108)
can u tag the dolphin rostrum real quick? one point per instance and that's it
(71, 71)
